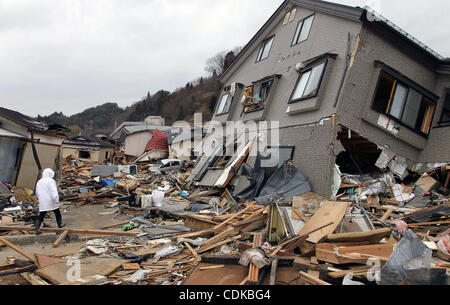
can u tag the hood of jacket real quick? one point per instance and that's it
(48, 173)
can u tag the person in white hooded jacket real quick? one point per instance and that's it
(47, 194)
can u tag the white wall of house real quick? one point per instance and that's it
(135, 143)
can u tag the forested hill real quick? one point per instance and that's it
(196, 96)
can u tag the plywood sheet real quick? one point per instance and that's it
(57, 273)
(330, 211)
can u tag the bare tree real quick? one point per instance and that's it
(216, 63)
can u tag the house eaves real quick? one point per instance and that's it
(367, 16)
(353, 13)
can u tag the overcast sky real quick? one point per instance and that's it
(69, 55)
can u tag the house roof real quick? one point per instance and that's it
(28, 122)
(88, 141)
(366, 15)
(159, 140)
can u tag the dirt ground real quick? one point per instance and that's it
(84, 217)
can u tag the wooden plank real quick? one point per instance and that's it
(312, 279)
(73, 231)
(191, 249)
(17, 249)
(212, 267)
(60, 239)
(33, 279)
(198, 222)
(370, 236)
(115, 225)
(217, 238)
(339, 274)
(357, 254)
(248, 220)
(428, 223)
(219, 243)
(273, 272)
(330, 211)
(221, 225)
(386, 214)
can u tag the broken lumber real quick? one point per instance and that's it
(373, 236)
(73, 231)
(33, 279)
(60, 239)
(17, 249)
(312, 279)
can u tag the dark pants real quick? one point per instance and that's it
(41, 217)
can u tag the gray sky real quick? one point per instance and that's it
(69, 55)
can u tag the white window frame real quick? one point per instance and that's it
(300, 29)
(263, 47)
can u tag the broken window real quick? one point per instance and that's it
(445, 116)
(308, 83)
(224, 103)
(264, 51)
(84, 154)
(403, 103)
(303, 29)
(256, 95)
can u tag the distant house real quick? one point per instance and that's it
(156, 148)
(183, 141)
(87, 148)
(18, 164)
(126, 128)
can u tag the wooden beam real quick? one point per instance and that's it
(17, 249)
(273, 272)
(212, 267)
(60, 239)
(33, 279)
(312, 279)
(73, 231)
(115, 225)
(219, 226)
(386, 214)
(219, 243)
(190, 249)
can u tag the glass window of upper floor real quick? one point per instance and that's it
(264, 50)
(445, 116)
(404, 104)
(303, 29)
(308, 83)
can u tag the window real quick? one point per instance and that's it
(256, 95)
(224, 104)
(83, 154)
(308, 83)
(265, 49)
(403, 103)
(303, 29)
(290, 16)
(445, 116)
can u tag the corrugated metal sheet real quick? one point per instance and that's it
(159, 140)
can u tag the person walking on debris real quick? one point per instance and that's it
(48, 196)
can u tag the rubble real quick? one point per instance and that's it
(275, 231)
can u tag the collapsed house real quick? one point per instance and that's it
(345, 85)
(26, 145)
(88, 148)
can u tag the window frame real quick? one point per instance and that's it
(319, 85)
(295, 40)
(408, 84)
(220, 99)
(441, 122)
(261, 48)
(82, 152)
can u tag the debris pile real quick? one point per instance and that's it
(205, 226)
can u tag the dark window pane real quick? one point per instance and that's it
(383, 93)
(412, 107)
